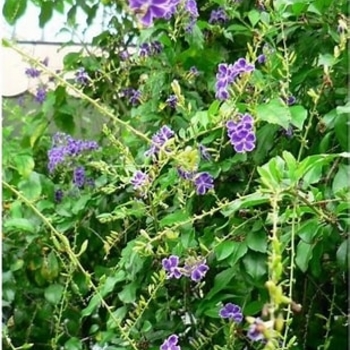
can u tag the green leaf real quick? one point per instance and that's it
(53, 293)
(255, 264)
(240, 249)
(224, 250)
(81, 203)
(94, 302)
(31, 187)
(14, 9)
(73, 344)
(221, 281)
(254, 17)
(304, 254)
(257, 241)
(274, 112)
(343, 255)
(299, 115)
(20, 224)
(128, 294)
(341, 128)
(24, 163)
(308, 231)
(45, 13)
(173, 218)
(341, 179)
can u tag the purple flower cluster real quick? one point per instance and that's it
(241, 133)
(171, 343)
(59, 196)
(261, 59)
(79, 176)
(150, 49)
(32, 72)
(139, 179)
(218, 16)
(159, 139)
(232, 312)
(81, 76)
(64, 146)
(193, 268)
(133, 96)
(40, 94)
(227, 74)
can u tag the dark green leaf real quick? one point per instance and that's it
(14, 9)
(45, 13)
(53, 293)
(304, 254)
(257, 241)
(255, 264)
(343, 255)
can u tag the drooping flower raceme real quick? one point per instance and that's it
(139, 179)
(227, 74)
(150, 9)
(159, 139)
(171, 343)
(204, 182)
(171, 266)
(232, 312)
(241, 133)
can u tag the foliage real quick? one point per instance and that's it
(211, 209)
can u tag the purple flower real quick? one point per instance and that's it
(124, 55)
(58, 196)
(156, 47)
(187, 175)
(81, 76)
(218, 16)
(241, 133)
(261, 59)
(32, 72)
(170, 265)
(289, 131)
(255, 331)
(159, 139)
(171, 343)
(191, 8)
(232, 312)
(290, 100)
(150, 9)
(196, 270)
(139, 179)
(79, 177)
(194, 71)
(204, 182)
(204, 152)
(145, 50)
(172, 101)
(190, 25)
(135, 97)
(40, 95)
